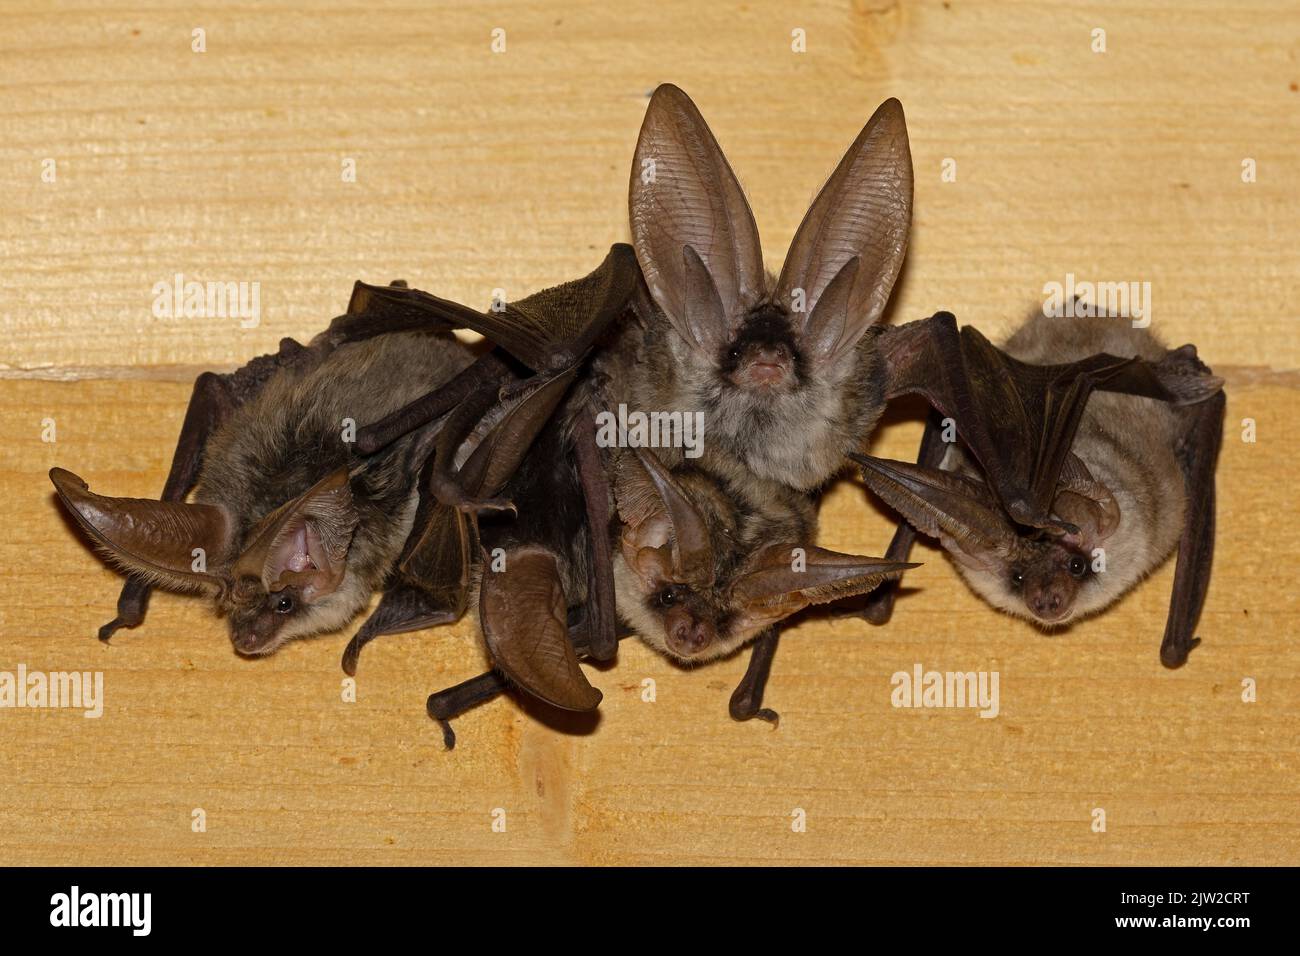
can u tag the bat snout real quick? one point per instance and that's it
(764, 367)
(1049, 604)
(686, 636)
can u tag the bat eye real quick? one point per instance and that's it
(1078, 566)
(668, 597)
(284, 605)
(1017, 578)
(733, 354)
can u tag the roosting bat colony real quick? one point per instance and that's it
(640, 451)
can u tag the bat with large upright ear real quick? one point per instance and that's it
(1136, 483)
(795, 374)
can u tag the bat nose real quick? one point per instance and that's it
(1046, 604)
(690, 637)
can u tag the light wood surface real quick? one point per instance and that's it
(479, 170)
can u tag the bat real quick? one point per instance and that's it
(1137, 483)
(794, 372)
(288, 531)
(705, 565)
(292, 528)
(702, 568)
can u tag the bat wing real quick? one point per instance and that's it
(546, 331)
(431, 580)
(1198, 455)
(432, 577)
(549, 332)
(1019, 420)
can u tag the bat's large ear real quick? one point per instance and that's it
(692, 228)
(168, 542)
(960, 511)
(848, 251)
(522, 611)
(1086, 503)
(304, 542)
(781, 579)
(658, 515)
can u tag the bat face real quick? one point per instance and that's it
(288, 578)
(763, 357)
(775, 362)
(702, 570)
(1045, 581)
(1047, 578)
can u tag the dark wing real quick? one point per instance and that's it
(1198, 454)
(546, 331)
(432, 576)
(1018, 420)
(549, 332)
(431, 581)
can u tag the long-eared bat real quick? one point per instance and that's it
(1137, 482)
(793, 373)
(288, 529)
(292, 529)
(702, 567)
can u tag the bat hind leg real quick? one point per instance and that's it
(454, 701)
(877, 607)
(747, 699)
(131, 606)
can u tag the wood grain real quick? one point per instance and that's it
(479, 171)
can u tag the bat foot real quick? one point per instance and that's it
(1174, 654)
(743, 709)
(351, 654)
(108, 630)
(434, 707)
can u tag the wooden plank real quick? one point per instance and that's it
(478, 171)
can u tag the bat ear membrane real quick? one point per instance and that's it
(305, 541)
(863, 213)
(169, 542)
(524, 621)
(647, 495)
(798, 575)
(958, 510)
(1086, 503)
(692, 228)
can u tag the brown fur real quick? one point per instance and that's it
(290, 435)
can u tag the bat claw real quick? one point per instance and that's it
(1174, 654)
(108, 630)
(477, 505)
(434, 707)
